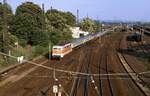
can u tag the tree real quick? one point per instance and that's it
(55, 36)
(57, 21)
(70, 18)
(58, 25)
(5, 22)
(8, 12)
(28, 22)
(98, 25)
(88, 24)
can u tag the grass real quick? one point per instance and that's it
(28, 52)
(4, 64)
(146, 62)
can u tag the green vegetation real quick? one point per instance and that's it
(146, 62)
(27, 24)
(30, 30)
(58, 24)
(31, 26)
(89, 25)
(5, 12)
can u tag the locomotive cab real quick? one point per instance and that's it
(61, 50)
(56, 52)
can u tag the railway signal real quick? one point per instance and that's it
(55, 86)
(55, 89)
(60, 90)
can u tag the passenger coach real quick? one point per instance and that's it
(63, 49)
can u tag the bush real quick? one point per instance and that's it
(39, 50)
(22, 42)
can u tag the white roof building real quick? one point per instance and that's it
(77, 33)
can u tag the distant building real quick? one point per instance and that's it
(77, 33)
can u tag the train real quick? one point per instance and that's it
(147, 32)
(60, 50)
(146, 29)
(137, 37)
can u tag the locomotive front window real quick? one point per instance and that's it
(57, 48)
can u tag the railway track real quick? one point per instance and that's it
(105, 81)
(97, 61)
(20, 68)
(39, 79)
(142, 50)
(146, 43)
(77, 78)
(100, 83)
(137, 80)
(82, 82)
(129, 81)
(64, 79)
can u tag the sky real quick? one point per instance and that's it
(127, 10)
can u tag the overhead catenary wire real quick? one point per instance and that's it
(76, 73)
(65, 77)
(146, 72)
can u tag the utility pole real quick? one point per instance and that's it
(43, 18)
(44, 29)
(77, 17)
(5, 27)
(51, 7)
(43, 9)
(99, 23)
(87, 15)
